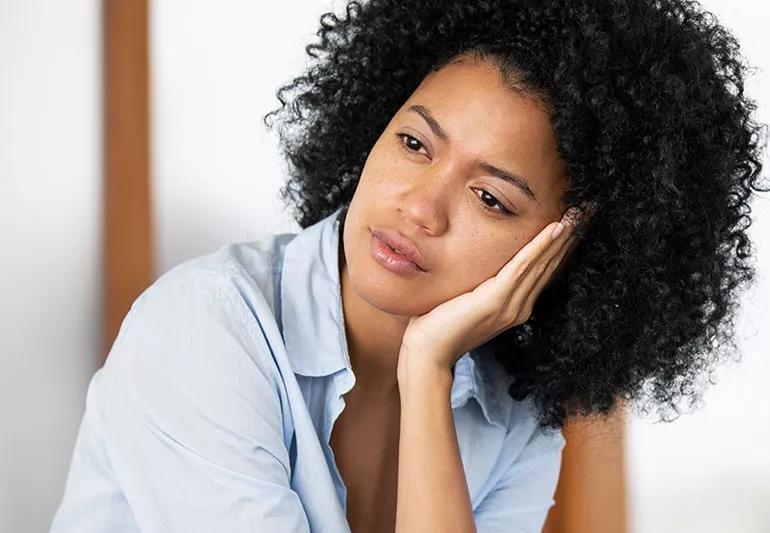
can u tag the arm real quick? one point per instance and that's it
(190, 424)
(432, 489)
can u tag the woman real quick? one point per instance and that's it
(405, 362)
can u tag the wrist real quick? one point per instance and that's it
(419, 371)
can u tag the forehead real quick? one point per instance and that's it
(471, 97)
(486, 118)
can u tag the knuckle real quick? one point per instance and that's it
(526, 311)
(521, 319)
(521, 270)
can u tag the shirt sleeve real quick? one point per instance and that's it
(193, 424)
(520, 502)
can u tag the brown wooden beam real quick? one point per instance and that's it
(127, 215)
(591, 494)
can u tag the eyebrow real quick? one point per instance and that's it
(510, 177)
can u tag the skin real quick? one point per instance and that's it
(484, 270)
(430, 198)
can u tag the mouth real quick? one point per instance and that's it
(395, 252)
(400, 244)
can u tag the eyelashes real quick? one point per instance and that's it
(406, 137)
(499, 211)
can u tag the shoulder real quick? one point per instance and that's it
(199, 341)
(231, 286)
(231, 290)
(249, 269)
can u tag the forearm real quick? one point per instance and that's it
(432, 489)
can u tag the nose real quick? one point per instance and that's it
(424, 204)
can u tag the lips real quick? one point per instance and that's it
(400, 244)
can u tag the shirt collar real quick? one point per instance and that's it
(313, 324)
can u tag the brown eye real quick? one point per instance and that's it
(410, 143)
(498, 211)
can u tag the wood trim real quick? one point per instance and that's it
(591, 494)
(127, 236)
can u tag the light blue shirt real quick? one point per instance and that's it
(214, 408)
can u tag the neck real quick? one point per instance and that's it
(374, 342)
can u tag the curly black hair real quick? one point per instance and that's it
(647, 102)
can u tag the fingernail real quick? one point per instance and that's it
(571, 216)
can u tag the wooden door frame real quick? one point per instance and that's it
(127, 216)
(591, 493)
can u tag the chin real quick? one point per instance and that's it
(379, 290)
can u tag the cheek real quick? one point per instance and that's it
(382, 168)
(475, 264)
(485, 259)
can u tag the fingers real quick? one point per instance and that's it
(529, 287)
(547, 275)
(533, 266)
(528, 256)
(521, 263)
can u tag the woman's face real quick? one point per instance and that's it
(435, 176)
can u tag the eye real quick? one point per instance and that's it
(500, 211)
(406, 139)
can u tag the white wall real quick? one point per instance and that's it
(217, 170)
(50, 188)
(709, 470)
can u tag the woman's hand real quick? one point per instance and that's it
(440, 337)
